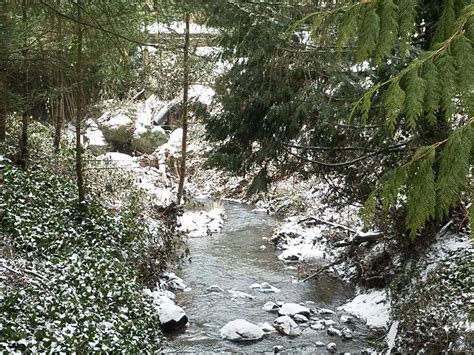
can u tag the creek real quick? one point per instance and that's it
(233, 260)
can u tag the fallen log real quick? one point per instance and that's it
(359, 239)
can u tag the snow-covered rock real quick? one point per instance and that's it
(347, 333)
(215, 289)
(318, 326)
(277, 348)
(291, 309)
(172, 281)
(325, 311)
(117, 128)
(147, 140)
(287, 326)
(271, 307)
(266, 327)
(299, 318)
(332, 347)
(239, 294)
(327, 322)
(265, 287)
(241, 330)
(333, 331)
(346, 319)
(373, 307)
(172, 317)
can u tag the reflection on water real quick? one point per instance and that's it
(232, 259)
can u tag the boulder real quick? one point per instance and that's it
(332, 347)
(287, 326)
(333, 331)
(266, 327)
(299, 318)
(117, 128)
(241, 330)
(291, 309)
(327, 312)
(277, 348)
(172, 317)
(346, 319)
(347, 334)
(317, 326)
(147, 140)
(271, 307)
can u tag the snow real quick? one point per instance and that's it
(287, 326)
(373, 307)
(241, 330)
(202, 223)
(202, 93)
(440, 250)
(121, 160)
(265, 287)
(179, 27)
(291, 309)
(391, 336)
(115, 121)
(240, 294)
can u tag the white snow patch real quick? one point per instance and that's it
(202, 223)
(373, 307)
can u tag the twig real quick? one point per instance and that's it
(333, 224)
(322, 269)
(25, 271)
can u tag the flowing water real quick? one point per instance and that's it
(232, 259)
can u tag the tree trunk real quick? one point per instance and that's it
(23, 160)
(184, 113)
(3, 74)
(79, 112)
(59, 116)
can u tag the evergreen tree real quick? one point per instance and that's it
(430, 94)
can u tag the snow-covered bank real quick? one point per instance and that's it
(201, 223)
(373, 307)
